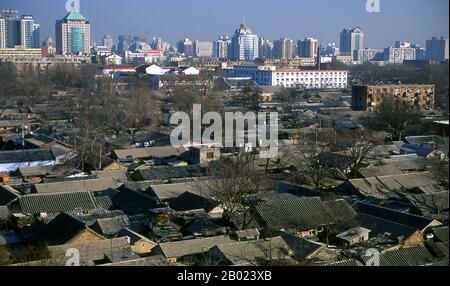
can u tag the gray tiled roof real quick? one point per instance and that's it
(52, 203)
(411, 256)
(298, 214)
(157, 260)
(248, 252)
(20, 156)
(111, 225)
(441, 233)
(347, 262)
(403, 218)
(92, 185)
(104, 202)
(91, 250)
(193, 246)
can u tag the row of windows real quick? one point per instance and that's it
(312, 74)
(340, 85)
(312, 80)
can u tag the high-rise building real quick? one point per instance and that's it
(108, 41)
(351, 40)
(420, 52)
(283, 48)
(124, 44)
(18, 31)
(186, 47)
(265, 48)
(2, 33)
(307, 48)
(244, 44)
(221, 47)
(329, 50)
(203, 49)
(73, 34)
(398, 55)
(367, 55)
(437, 49)
(12, 28)
(157, 44)
(29, 32)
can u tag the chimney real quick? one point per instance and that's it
(318, 58)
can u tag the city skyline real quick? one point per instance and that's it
(269, 19)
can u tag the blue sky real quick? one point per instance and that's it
(406, 20)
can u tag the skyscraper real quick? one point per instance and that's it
(283, 48)
(18, 31)
(157, 44)
(186, 47)
(265, 48)
(2, 33)
(124, 44)
(29, 32)
(307, 48)
(244, 44)
(12, 28)
(351, 40)
(108, 41)
(73, 34)
(437, 49)
(221, 47)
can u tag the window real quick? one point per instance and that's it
(210, 155)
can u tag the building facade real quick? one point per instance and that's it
(29, 32)
(20, 54)
(291, 77)
(437, 49)
(12, 28)
(18, 31)
(283, 48)
(203, 49)
(124, 44)
(186, 47)
(108, 41)
(2, 33)
(265, 48)
(221, 48)
(244, 44)
(369, 97)
(351, 40)
(73, 34)
(368, 55)
(307, 48)
(399, 55)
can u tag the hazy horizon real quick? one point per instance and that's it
(406, 20)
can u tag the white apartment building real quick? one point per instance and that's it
(2, 33)
(398, 55)
(203, 49)
(290, 77)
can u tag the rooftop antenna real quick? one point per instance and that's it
(243, 19)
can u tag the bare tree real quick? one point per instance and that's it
(394, 114)
(237, 179)
(358, 145)
(309, 155)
